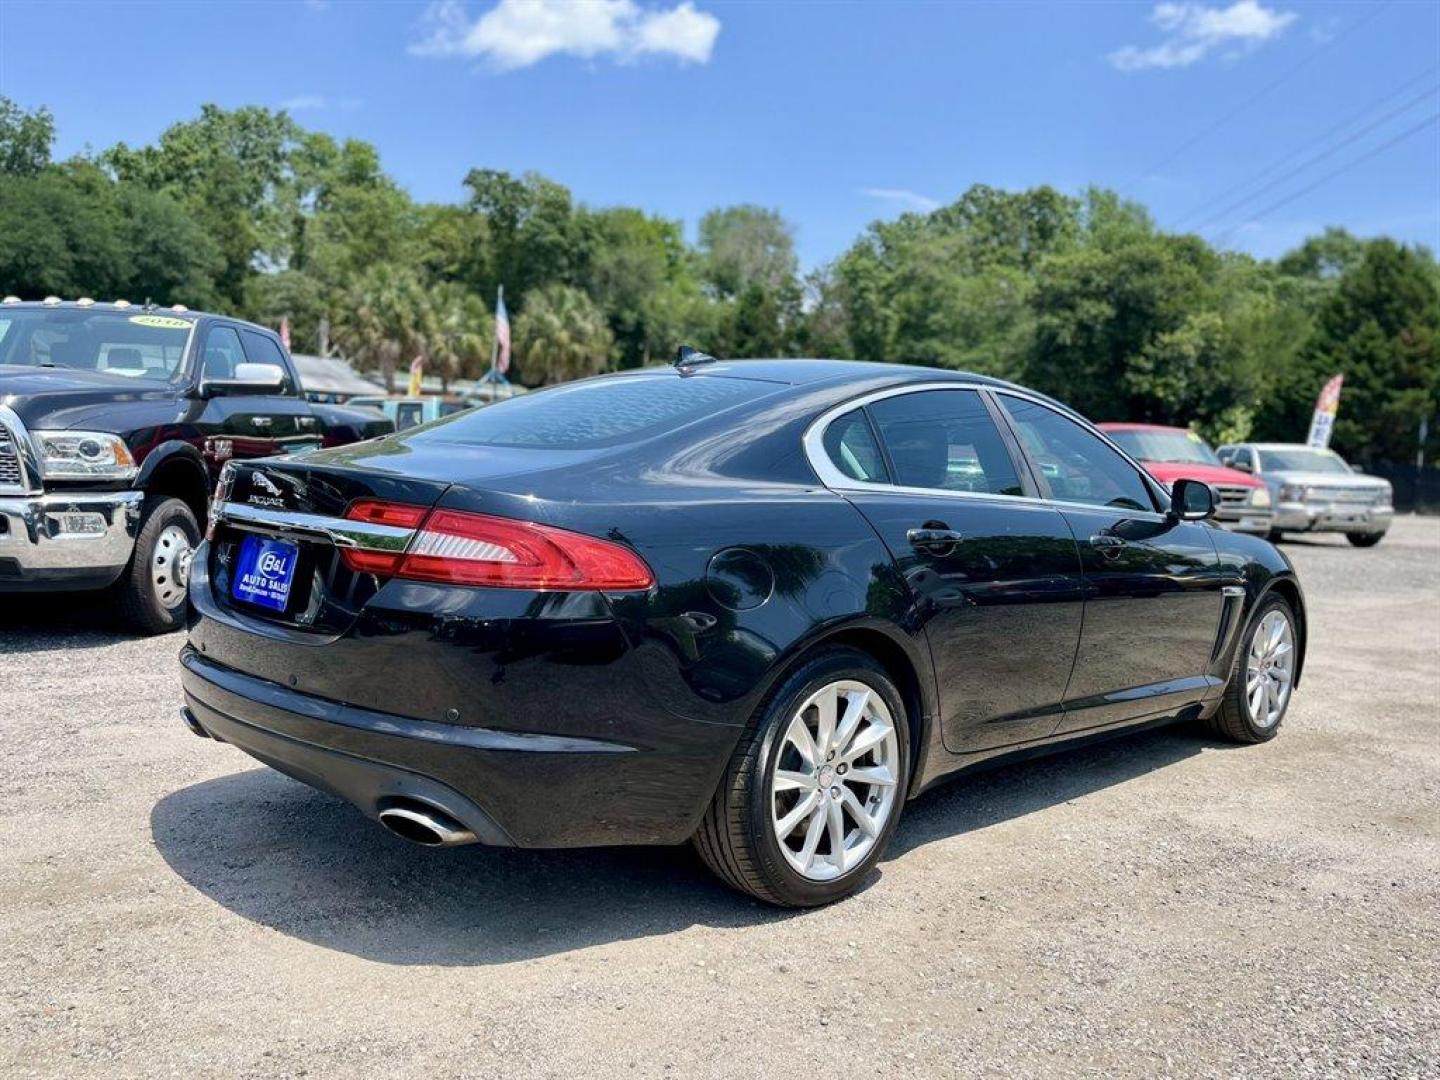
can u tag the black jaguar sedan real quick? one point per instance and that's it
(757, 604)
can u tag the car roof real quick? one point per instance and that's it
(1116, 425)
(797, 372)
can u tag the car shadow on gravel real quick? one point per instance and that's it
(40, 622)
(273, 851)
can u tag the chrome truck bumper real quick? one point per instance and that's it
(66, 540)
(1317, 516)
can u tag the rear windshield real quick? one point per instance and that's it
(142, 345)
(599, 413)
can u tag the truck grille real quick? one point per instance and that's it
(1347, 495)
(11, 478)
(1233, 496)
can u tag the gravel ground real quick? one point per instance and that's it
(1160, 905)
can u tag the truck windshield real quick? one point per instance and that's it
(139, 345)
(1302, 459)
(1178, 447)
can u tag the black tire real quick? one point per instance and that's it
(135, 595)
(1275, 536)
(1365, 539)
(736, 839)
(1232, 721)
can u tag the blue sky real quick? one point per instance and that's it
(835, 114)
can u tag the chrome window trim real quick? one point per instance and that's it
(831, 476)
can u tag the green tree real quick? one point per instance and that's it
(745, 246)
(1110, 325)
(346, 213)
(25, 139)
(535, 237)
(227, 169)
(460, 333)
(384, 321)
(560, 335)
(1381, 330)
(72, 231)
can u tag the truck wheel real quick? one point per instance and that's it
(151, 592)
(1365, 539)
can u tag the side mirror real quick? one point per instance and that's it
(249, 379)
(1240, 465)
(1191, 500)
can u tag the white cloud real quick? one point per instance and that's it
(910, 200)
(517, 33)
(318, 103)
(1193, 31)
(304, 103)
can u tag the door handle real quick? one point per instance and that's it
(1107, 541)
(934, 538)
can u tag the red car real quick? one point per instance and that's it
(1242, 501)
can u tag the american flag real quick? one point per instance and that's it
(502, 334)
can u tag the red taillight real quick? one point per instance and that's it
(375, 512)
(382, 513)
(477, 549)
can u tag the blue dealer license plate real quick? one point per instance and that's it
(265, 572)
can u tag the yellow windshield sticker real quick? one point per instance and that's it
(162, 322)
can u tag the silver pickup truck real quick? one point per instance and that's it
(1315, 490)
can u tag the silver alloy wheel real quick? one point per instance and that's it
(1269, 669)
(170, 566)
(833, 783)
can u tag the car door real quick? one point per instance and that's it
(995, 575)
(244, 424)
(309, 433)
(1154, 587)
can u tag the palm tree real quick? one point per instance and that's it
(561, 335)
(384, 320)
(460, 333)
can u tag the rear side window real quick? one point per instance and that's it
(604, 412)
(851, 445)
(945, 439)
(408, 414)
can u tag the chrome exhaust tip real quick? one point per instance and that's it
(192, 723)
(424, 825)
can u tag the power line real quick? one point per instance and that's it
(1287, 200)
(1317, 158)
(1204, 207)
(1266, 89)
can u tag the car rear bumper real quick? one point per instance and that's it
(66, 540)
(1332, 517)
(507, 787)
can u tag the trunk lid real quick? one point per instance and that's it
(277, 530)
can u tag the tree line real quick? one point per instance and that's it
(1079, 295)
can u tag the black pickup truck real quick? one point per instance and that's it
(115, 420)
